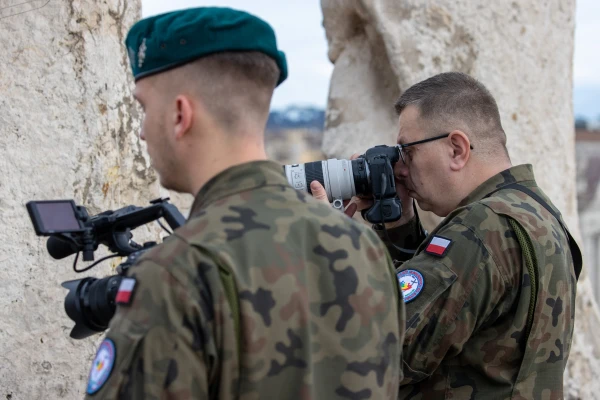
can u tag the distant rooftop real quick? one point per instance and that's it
(587, 135)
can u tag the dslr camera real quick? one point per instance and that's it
(90, 302)
(370, 175)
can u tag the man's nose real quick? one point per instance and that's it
(401, 169)
(142, 135)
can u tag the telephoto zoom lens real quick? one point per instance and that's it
(341, 179)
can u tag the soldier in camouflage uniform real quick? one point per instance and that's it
(490, 293)
(264, 293)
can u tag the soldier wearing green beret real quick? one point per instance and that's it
(264, 293)
(490, 292)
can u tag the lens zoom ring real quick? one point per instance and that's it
(314, 172)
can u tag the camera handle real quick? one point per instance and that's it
(89, 245)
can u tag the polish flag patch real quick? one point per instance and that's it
(438, 246)
(125, 293)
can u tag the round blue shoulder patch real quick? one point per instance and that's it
(411, 283)
(102, 366)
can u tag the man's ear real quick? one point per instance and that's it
(184, 116)
(460, 149)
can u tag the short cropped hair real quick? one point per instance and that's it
(454, 100)
(232, 85)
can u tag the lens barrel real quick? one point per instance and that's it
(360, 174)
(341, 179)
(90, 303)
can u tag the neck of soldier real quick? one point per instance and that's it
(480, 171)
(222, 151)
(459, 186)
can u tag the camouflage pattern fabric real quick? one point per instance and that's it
(465, 336)
(319, 307)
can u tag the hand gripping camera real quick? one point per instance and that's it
(90, 302)
(371, 174)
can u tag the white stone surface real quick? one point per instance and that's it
(521, 50)
(68, 129)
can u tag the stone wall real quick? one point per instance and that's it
(67, 130)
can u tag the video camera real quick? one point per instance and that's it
(90, 302)
(371, 174)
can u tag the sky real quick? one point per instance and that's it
(300, 34)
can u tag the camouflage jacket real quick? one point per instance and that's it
(468, 293)
(317, 298)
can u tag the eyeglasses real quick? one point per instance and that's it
(401, 147)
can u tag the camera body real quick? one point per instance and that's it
(90, 302)
(370, 175)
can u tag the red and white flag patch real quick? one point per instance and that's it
(125, 293)
(438, 246)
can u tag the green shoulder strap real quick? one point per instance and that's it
(523, 382)
(530, 263)
(231, 293)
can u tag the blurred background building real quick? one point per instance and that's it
(587, 151)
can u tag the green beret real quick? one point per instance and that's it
(166, 41)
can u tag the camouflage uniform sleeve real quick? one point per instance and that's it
(155, 342)
(408, 236)
(449, 292)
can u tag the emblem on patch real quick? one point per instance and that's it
(125, 292)
(102, 366)
(411, 284)
(142, 53)
(438, 246)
